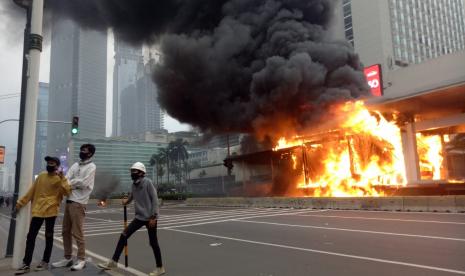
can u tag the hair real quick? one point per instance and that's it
(90, 147)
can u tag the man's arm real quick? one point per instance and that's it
(86, 181)
(65, 187)
(70, 173)
(154, 197)
(28, 196)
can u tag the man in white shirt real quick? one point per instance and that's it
(81, 177)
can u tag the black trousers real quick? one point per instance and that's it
(34, 228)
(133, 227)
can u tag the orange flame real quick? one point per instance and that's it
(430, 155)
(368, 155)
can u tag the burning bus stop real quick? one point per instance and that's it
(425, 157)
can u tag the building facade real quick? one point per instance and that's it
(115, 156)
(78, 73)
(398, 33)
(127, 60)
(140, 111)
(41, 128)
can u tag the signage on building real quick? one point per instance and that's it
(2, 154)
(374, 79)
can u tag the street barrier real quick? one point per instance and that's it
(407, 203)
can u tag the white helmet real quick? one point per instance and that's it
(138, 166)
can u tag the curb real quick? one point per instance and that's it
(441, 204)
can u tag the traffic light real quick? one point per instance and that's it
(75, 125)
(228, 164)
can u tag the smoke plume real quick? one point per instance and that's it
(259, 66)
(105, 184)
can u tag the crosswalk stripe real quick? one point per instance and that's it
(117, 224)
(174, 221)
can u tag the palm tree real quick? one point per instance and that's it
(179, 154)
(165, 156)
(157, 162)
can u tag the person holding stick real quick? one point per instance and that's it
(146, 214)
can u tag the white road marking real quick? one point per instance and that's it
(118, 230)
(259, 216)
(351, 230)
(326, 252)
(387, 219)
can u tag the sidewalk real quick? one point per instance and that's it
(91, 268)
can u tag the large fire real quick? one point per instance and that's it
(364, 154)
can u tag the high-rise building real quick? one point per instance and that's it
(127, 60)
(141, 111)
(3, 179)
(41, 128)
(78, 72)
(397, 33)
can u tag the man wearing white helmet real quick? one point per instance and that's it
(146, 214)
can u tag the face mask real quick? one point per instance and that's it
(134, 176)
(51, 169)
(83, 156)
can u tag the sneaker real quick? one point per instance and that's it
(24, 269)
(41, 266)
(158, 271)
(63, 263)
(79, 265)
(108, 265)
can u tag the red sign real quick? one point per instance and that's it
(2, 154)
(373, 76)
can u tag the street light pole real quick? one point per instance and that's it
(27, 30)
(29, 128)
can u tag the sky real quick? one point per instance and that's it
(11, 41)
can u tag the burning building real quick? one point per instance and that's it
(403, 143)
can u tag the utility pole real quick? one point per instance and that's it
(27, 31)
(29, 128)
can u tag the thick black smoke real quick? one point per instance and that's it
(263, 66)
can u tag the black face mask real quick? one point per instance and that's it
(83, 156)
(51, 169)
(135, 176)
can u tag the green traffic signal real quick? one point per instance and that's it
(75, 125)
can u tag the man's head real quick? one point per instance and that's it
(137, 171)
(52, 164)
(87, 151)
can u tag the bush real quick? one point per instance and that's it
(175, 196)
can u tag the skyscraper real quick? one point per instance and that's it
(41, 129)
(141, 111)
(78, 72)
(396, 33)
(127, 59)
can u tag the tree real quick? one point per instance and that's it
(178, 153)
(165, 156)
(157, 161)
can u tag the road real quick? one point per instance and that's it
(265, 241)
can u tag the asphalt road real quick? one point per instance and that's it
(264, 241)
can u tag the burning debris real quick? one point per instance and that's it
(105, 184)
(359, 158)
(102, 203)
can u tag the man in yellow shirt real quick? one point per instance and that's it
(46, 195)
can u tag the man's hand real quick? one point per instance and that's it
(152, 223)
(124, 200)
(60, 174)
(16, 209)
